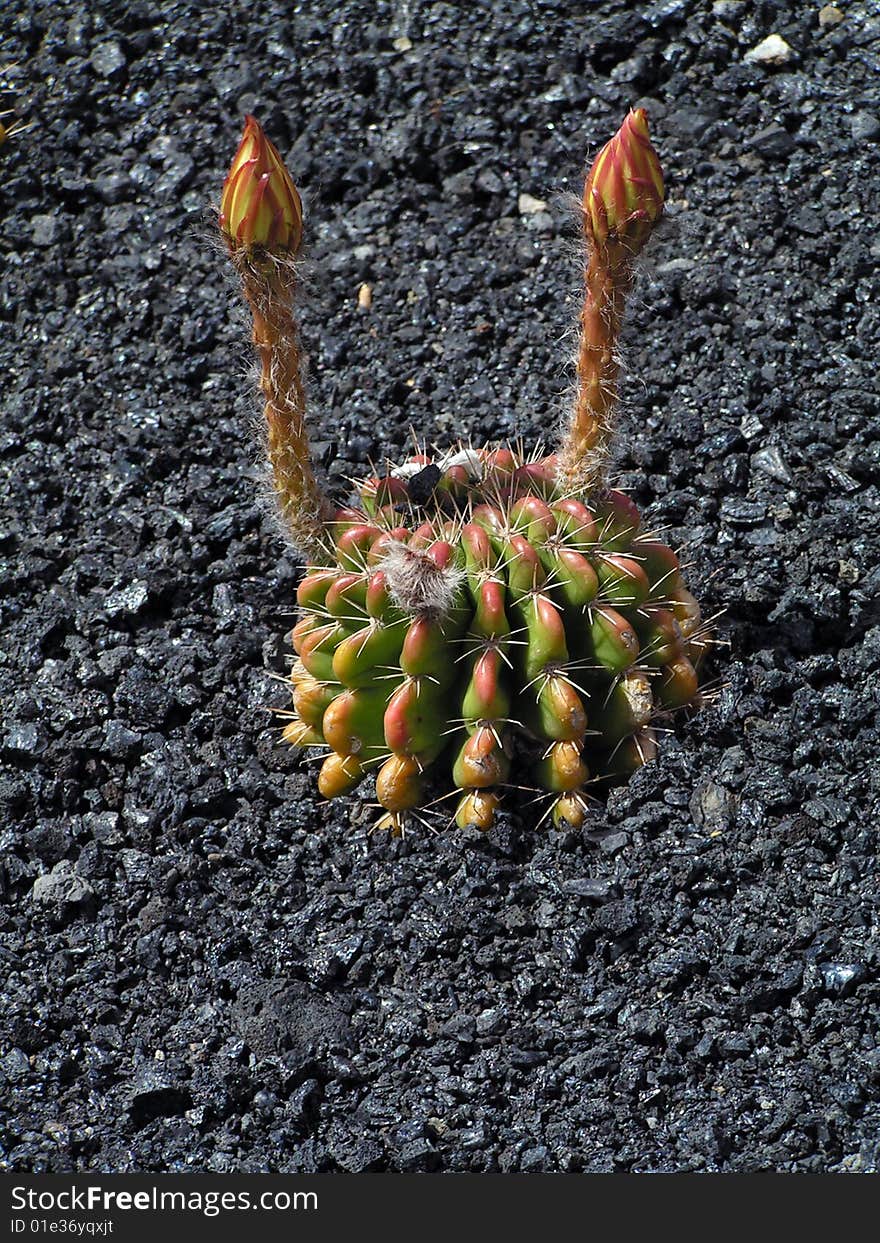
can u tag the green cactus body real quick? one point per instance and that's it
(496, 635)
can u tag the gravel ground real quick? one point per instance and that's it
(205, 966)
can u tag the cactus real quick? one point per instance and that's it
(483, 620)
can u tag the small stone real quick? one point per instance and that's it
(176, 176)
(844, 481)
(809, 221)
(356, 1154)
(119, 740)
(772, 463)
(489, 182)
(104, 825)
(62, 888)
(418, 1156)
(736, 512)
(848, 1095)
(459, 185)
(641, 1024)
(662, 10)
(77, 33)
(332, 959)
(460, 1027)
(153, 1093)
(712, 806)
(136, 865)
(304, 1099)
(403, 44)
(703, 1048)
(588, 887)
(840, 978)
(265, 1102)
(541, 222)
(734, 1044)
(774, 142)
(44, 229)
(223, 601)
(49, 841)
(108, 59)
(472, 1137)
(24, 739)
(770, 51)
(491, 1022)
(142, 698)
(152, 915)
(128, 600)
(689, 121)
(112, 188)
(865, 126)
(617, 918)
(830, 15)
(14, 1065)
(750, 426)
(529, 206)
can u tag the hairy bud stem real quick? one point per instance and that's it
(303, 505)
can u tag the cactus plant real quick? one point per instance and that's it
(481, 619)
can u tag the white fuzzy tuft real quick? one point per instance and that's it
(406, 470)
(416, 584)
(468, 458)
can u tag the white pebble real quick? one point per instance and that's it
(770, 51)
(529, 206)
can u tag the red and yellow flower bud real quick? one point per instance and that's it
(260, 206)
(623, 196)
(352, 723)
(486, 698)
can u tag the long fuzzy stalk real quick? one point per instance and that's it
(586, 451)
(269, 290)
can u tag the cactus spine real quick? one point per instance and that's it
(486, 620)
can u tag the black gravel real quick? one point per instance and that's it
(206, 967)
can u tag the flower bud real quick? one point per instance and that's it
(260, 205)
(623, 195)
